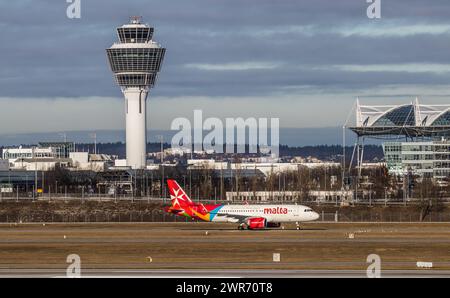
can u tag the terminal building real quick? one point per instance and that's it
(49, 155)
(428, 159)
(416, 137)
(323, 196)
(14, 154)
(55, 150)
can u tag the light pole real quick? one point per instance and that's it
(64, 147)
(161, 139)
(190, 182)
(35, 175)
(343, 158)
(385, 196)
(64, 136)
(94, 136)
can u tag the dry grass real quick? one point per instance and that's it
(171, 245)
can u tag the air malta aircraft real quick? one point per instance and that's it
(248, 216)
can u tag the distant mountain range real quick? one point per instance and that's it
(323, 152)
(293, 137)
(322, 143)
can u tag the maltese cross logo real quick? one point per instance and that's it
(178, 195)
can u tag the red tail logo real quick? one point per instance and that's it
(177, 195)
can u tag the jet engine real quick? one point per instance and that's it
(256, 223)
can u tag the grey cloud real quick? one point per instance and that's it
(44, 54)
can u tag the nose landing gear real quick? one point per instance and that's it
(297, 225)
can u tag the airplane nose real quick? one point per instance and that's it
(316, 216)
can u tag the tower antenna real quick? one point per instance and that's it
(135, 19)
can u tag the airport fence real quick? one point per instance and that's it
(164, 200)
(131, 217)
(398, 216)
(158, 216)
(150, 209)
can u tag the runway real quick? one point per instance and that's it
(205, 249)
(222, 274)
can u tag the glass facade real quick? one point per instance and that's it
(443, 120)
(429, 159)
(401, 116)
(136, 60)
(35, 152)
(410, 120)
(63, 149)
(135, 35)
(146, 79)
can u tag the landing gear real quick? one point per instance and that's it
(242, 226)
(298, 225)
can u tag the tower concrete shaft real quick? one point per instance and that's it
(135, 61)
(136, 126)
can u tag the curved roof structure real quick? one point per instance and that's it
(443, 119)
(398, 116)
(411, 120)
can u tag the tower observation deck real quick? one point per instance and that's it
(135, 61)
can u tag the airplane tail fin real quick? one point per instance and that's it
(178, 196)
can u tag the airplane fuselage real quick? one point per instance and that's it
(248, 216)
(235, 213)
(272, 213)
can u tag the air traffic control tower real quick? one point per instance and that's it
(135, 61)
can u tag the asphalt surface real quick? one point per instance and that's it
(241, 273)
(186, 250)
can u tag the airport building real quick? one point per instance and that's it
(90, 162)
(411, 121)
(62, 149)
(40, 164)
(428, 159)
(14, 154)
(416, 137)
(265, 168)
(47, 158)
(25, 180)
(4, 165)
(43, 150)
(330, 196)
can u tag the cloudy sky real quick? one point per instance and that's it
(304, 61)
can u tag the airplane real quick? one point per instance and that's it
(252, 217)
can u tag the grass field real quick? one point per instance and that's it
(187, 245)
